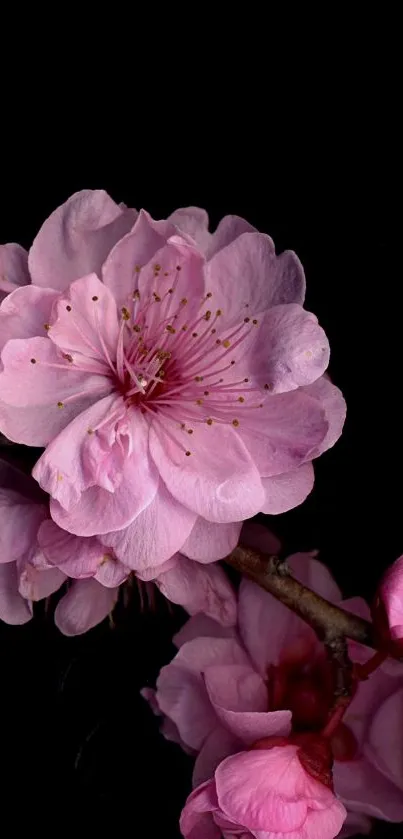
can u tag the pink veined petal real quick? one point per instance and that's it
(381, 748)
(239, 697)
(259, 537)
(152, 571)
(229, 228)
(14, 609)
(208, 542)
(196, 821)
(85, 605)
(193, 221)
(284, 432)
(290, 350)
(315, 575)
(334, 404)
(135, 249)
(19, 522)
(86, 320)
(36, 584)
(284, 492)
(200, 588)
(78, 557)
(218, 481)
(361, 786)
(111, 572)
(246, 277)
(77, 237)
(13, 268)
(262, 616)
(157, 533)
(32, 380)
(63, 470)
(25, 313)
(217, 746)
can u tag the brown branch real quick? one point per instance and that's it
(329, 622)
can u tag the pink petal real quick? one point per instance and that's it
(381, 747)
(315, 575)
(13, 268)
(66, 468)
(99, 510)
(36, 584)
(284, 432)
(77, 556)
(218, 481)
(85, 605)
(200, 588)
(111, 572)
(240, 700)
(290, 350)
(196, 821)
(370, 695)
(157, 533)
(38, 385)
(261, 616)
(77, 237)
(194, 222)
(200, 626)
(86, 320)
(152, 571)
(284, 492)
(333, 402)
(137, 248)
(208, 542)
(363, 788)
(19, 522)
(229, 228)
(248, 273)
(25, 312)
(13, 608)
(355, 824)
(259, 537)
(218, 745)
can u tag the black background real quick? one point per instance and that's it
(79, 746)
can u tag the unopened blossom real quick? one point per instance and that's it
(173, 376)
(37, 557)
(228, 687)
(266, 792)
(388, 608)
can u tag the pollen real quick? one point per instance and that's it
(184, 327)
(156, 297)
(255, 322)
(60, 404)
(198, 378)
(190, 430)
(219, 312)
(213, 331)
(226, 344)
(90, 430)
(246, 320)
(246, 380)
(68, 357)
(241, 399)
(209, 421)
(199, 402)
(136, 328)
(209, 294)
(194, 334)
(95, 298)
(46, 326)
(33, 360)
(235, 422)
(207, 316)
(170, 329)
(157, 268)
(170, 291)
(188, 453)
(68, 308)
(125, 313)
(136, 294)
(179, 268)
(184, 301)
(267, 387)
(206, 392)
(218, 341)
(183, 425)
(232, 363)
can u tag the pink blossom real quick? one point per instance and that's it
(172, 374)
(227, 688)
(264, 793)
(388, 608)
(13, 268)
(37, 557)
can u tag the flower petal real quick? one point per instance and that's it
(36, 584)
(157, 533)
(290, 349)
(13, 268)
(217, 746)
(200, 588)
(284, 432)
(315, 575)
(196, 821)
(381, 739)
(229, 228)
(85, 605)
(76, 556)
(363, 788)
(200, 626)
(284, 492)
(86, 320)
(259, 537)
(246, 277)
(333, 402)
(25, 313)
(218, 481)
(13, 608)
(208, 541)
(133, 251)
(194, 222)
(77, 237)
(19, 523)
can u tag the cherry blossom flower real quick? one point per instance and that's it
(228, 687)
(173, 376)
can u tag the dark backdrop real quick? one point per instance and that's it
(78, 744)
